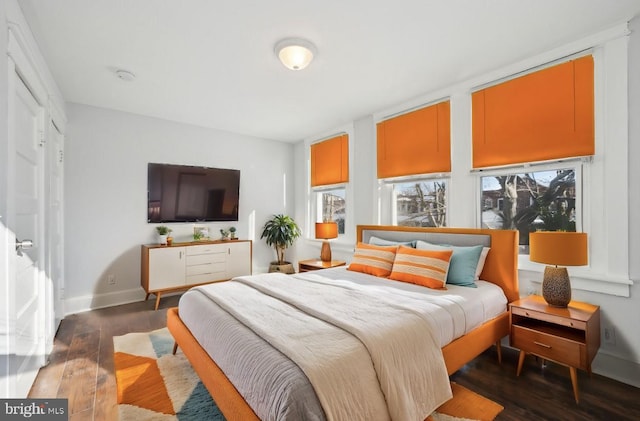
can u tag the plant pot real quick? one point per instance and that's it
(286, 268)
(162, 239)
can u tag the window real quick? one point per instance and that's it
(545, 199)
(420, 203)
(331, 207)
(329, 180)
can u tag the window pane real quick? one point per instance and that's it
(543, 200)
(331, 207)
(421, 203)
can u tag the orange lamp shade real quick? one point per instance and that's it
(326, 230)
(558, 248)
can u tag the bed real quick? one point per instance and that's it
(201, 344)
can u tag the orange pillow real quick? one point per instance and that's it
(374, 260)
(422, 267)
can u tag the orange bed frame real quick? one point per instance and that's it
(501, 268)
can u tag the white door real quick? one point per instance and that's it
(25, 222)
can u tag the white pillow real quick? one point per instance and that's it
(481, 260)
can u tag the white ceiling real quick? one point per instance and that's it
(211, 62)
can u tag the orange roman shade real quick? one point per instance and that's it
(330, 161)
(418, 142)
(541, 116)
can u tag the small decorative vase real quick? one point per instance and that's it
(556, 287)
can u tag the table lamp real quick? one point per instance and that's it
(326, 231)
(559, 248)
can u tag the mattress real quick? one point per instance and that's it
(477, 305)
(252, 364)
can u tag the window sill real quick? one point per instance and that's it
(582, 279)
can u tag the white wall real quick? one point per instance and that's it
(106, 191)
(611, 197)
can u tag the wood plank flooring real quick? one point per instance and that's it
(81, 369)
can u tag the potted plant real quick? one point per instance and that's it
(163, 232)
(232, 230)
(224, 234)
(280, 232)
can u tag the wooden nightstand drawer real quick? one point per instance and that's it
(551, 318)
(551, 347)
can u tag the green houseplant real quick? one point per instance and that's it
(280, 232)
(163, 232)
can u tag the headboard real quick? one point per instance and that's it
(501, 266)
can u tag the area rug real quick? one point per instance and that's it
(154, 384)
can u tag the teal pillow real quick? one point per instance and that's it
(463, 264)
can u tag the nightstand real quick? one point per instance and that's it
(569, 336)
(315, 264)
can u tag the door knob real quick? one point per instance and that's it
(23, 245)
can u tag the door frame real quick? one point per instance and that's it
(25, 61)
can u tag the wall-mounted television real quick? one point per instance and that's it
(183, 193)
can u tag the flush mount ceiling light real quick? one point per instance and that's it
(295, 53)
(125, 75)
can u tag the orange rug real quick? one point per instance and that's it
(466, 405)
(154, 384)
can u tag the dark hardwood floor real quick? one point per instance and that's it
(81, 369)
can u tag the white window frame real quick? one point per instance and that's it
(391, 182)
(345, 241)
(605, 184)
(316, 210)
(579, 165)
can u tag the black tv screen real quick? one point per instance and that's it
(182, 193)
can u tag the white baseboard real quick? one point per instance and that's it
(616, 368)
(91, 302)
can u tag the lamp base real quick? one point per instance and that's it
(325, 252)
(556, 287)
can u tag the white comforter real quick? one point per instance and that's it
(375, 359)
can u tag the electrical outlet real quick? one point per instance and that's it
(111, 279)
(609, 335)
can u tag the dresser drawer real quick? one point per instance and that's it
(551, 318)
(207, 268)
(205, 277)
(206, 249)
(548, 346)
(200, 259)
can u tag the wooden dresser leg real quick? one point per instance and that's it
(574, 383)
(520, 362)
(158, 294)
(175, 348)
(147, 296)
(499, 351)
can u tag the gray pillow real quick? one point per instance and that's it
(382, 242)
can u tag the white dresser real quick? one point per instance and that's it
(184, 265)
